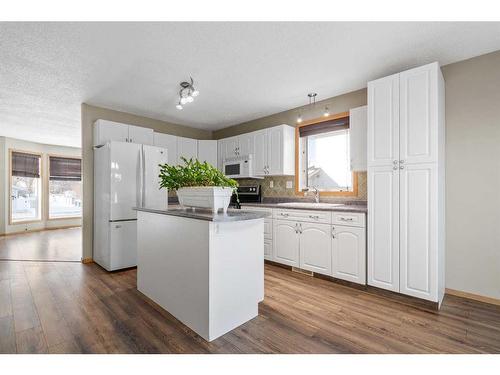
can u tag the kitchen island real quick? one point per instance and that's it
(205, 269)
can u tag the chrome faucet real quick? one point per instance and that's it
(316, 193)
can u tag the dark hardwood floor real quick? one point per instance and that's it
(76, 308)
(57, 245)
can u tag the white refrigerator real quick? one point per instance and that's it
(125, 176)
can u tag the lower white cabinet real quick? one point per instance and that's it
(304, 245)
(315, 247)
(286, 242)
(349, 253)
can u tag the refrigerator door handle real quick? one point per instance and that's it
(140, 193)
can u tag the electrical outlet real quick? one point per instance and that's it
(289, 184)
(271, 184)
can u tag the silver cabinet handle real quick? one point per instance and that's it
(345, 218)
(395, 162)
(401, 161)
(314, 217)
(118, 226)
(395, 167)
(401, 167)
(333, 233)
(284, 214)
(300, 228)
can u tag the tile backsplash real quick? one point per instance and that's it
(281, 189)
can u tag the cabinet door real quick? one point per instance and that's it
(246, 144)
(383, 121)
(349, 253)
(186, 147)
(315, 248)
(418, 230)
(268, 249)
(275, 151)
(383, 227)
(228, 148)
(169, 142)
(260, 155)
(143, 136)
(419, 114)
(207, 151)
(107, 131)
(357, 135)
(286, 243)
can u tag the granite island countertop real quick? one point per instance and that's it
(205, 214)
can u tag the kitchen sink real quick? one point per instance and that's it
(310, 205)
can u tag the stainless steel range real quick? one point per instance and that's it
(247, 194)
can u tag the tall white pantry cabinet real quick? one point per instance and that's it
(406, 181)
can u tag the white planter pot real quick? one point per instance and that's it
(211, 197)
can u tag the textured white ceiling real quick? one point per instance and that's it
(243, 70)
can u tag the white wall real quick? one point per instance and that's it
(16, 144)
(473, 175)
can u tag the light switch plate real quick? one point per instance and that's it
(289, 184)
(271, 184)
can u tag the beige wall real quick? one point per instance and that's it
(337, 104)
(473, 175)
(45, 150)
(89, 115)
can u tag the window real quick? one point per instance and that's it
(324, 157)
(25, 187)
(65, 187)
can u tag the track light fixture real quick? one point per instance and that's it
(187, 93)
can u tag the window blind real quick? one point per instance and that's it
(25, 165)
(65, 169)
(324, 127)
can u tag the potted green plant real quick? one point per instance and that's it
(198, 184)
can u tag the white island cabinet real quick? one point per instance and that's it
(205, 269)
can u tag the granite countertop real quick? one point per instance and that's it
(352, 207)
(204, 214)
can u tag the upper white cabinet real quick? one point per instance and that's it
(144, 136)
(383, 121)
(418, 127)
(281, 150)
(273, 150)
(207, 151)
(187, 148)
(406, 182)
(169, 142)
(260, 152)
(106, 131)
(358, 135)
(246, 144)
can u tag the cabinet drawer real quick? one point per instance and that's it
(324, 217)
(354, 219)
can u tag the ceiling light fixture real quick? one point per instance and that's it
(327, 112)
(187, 93)
(312, 100)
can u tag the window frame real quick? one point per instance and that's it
(298, 191)
(41, 194)
(47, 215)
